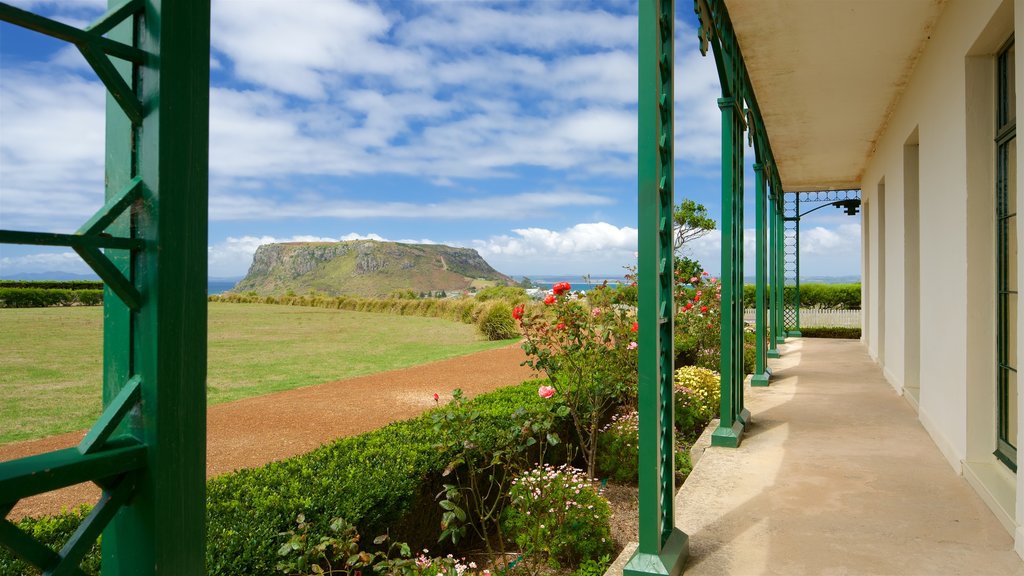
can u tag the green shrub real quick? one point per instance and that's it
(52, 531)
(496, 322)
(830, 332)
(381, 481)
(557, 515)
(510, 294)
(53, 284)
(44, 297)
(618, 450)
(698, 394)
(814, 295)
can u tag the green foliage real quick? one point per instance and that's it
(44, 297)
(697, 394)
(688, 268)
(618, 455)
(383, 479)
(483, 461)
(590, 356)
(592, 567)
(52, 531)
(509, 294)
(830, 332)
(698, 320)
(691, 221)
(813, 295)
(496, 321)
(465, 310)
(404, 294)
(53, 284)
(557, 515)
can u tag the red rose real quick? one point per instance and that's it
(550, 299)
(561, 326)
(561, 288)
(688, 306)
(696, 297)
(517, 312)
(703, 308)
(636, 326)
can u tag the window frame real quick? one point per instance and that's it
(1006, 133)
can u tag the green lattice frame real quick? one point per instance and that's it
(148, 244)
(662, 547)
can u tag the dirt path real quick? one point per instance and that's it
(254, 431)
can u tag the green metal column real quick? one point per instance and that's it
(761, 372)
(662, 548)
(148, 244)
(774, 304)
(796, 288)
(780, 272)
(731, 414)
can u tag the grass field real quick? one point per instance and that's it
(51, 358)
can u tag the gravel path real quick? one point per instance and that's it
(254, 431)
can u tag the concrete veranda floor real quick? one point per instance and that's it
(834, 476)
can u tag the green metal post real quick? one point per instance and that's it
(147, 450)
(796, 331)
(761, 373)
(780, 247)
(773, 278)
(730, 428)
(662, 547)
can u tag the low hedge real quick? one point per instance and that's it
(465, 310)
(44, 297)
(54, 284)
(382, 480)
(812, 295)
(830, 332)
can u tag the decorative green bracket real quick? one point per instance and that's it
(663, 548)
(148, 244)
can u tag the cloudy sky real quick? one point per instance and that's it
(506, 126)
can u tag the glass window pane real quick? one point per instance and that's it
(1011, 87)
(1011, 253)
(1011, 408)
(1010, 160)
(1011, 330)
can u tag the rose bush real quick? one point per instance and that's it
(585, 350)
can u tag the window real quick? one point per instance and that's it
(1006, 259)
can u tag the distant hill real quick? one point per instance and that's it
(366, 268)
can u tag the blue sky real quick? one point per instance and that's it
(505, 126)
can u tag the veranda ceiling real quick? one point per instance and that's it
(827, 74)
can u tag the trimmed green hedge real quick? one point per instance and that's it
(836, 296)
(830, 332)
(44, 297)
(53, 284)
(465, 310)
(380, 480)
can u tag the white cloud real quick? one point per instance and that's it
(230, 206)
(66, 261)
(596, 247)
(51, 149)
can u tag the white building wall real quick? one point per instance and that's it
(947, 102)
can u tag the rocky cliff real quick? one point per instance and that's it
(365, 268)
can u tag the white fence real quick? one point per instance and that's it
(810, 317)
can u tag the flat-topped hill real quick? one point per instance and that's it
(366, 268)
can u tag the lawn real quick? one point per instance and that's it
(51, 358)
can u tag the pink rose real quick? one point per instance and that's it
(545, 391)
(632, 346)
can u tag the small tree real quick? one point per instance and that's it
(691, 222)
